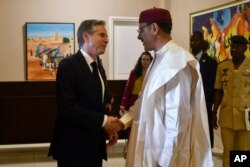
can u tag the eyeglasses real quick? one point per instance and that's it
(142, 28)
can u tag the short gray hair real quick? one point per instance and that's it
(87, 26)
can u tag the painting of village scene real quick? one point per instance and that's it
(219, 24)
(47, 44)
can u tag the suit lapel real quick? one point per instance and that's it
(203, 58)
(86, 70)
(83, 64)
(85, 67)
(101, 69)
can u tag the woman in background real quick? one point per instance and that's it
(134, 85)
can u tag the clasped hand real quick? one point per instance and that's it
(112, 126)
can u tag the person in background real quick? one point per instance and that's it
(169, 119)
(133, 86)
(208, 68)
(83, 99)
(232, 94)
(134, 82)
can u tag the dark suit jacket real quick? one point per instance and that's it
(78, 134)
(208, 68)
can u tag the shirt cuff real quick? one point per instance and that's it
(127, 119)
(104, 120)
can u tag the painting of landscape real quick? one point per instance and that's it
(46, 45)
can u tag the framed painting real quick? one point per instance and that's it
(46, 45)
(219, 24)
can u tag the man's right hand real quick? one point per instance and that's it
(214, 119)
(113, 125)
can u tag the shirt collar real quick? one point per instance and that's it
(198, 56)
(164, 48)
(87, 57)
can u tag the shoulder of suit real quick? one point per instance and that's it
(205, 55)
(70, 59)
(206, 58)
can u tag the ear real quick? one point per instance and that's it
(155, 28)
(85, 36)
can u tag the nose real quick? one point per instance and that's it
(139, 36)
(107, 40)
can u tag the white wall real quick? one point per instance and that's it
(14, 14)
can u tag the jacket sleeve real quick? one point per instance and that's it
(211, 80)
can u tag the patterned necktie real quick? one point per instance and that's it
(97, 79)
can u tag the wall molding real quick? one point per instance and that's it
(125, 48)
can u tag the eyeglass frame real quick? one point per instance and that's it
(142, 27)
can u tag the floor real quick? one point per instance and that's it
(35, 155)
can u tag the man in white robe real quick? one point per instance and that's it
(169, 120)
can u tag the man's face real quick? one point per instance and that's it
(97, 41)
(237, 50)
(195, 44)
(146, 36)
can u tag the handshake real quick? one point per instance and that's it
(112, 126)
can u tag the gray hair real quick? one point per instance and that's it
(87, 26)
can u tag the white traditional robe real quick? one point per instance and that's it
(170, 127)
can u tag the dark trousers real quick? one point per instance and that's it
(211, 129)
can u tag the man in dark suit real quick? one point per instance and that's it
(79, 137)
(208, 72)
